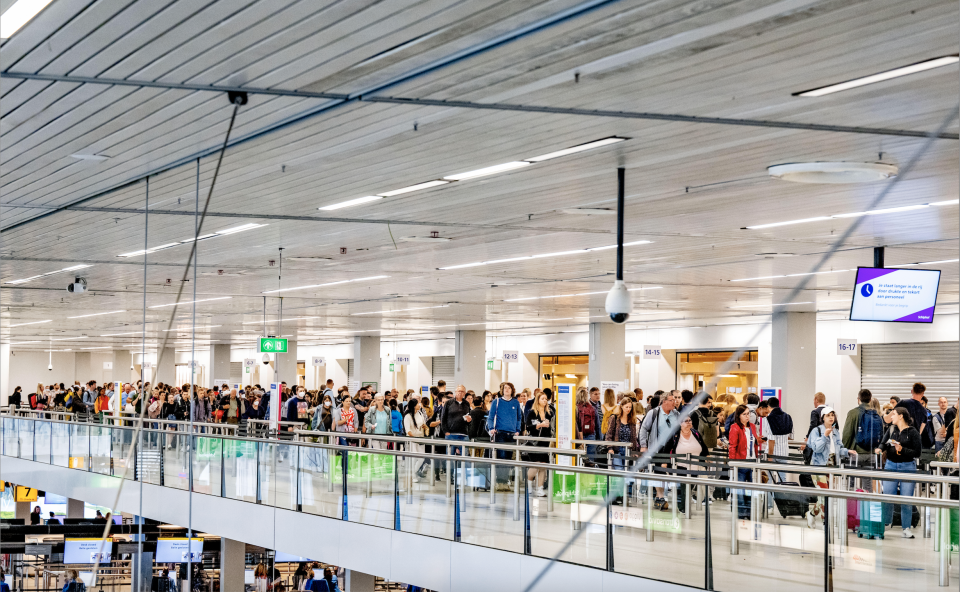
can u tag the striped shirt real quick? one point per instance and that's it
(781, 446)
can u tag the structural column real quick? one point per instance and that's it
(75, 508)
(288, 364)
(232, 558)
(366, 360)
(356, 581)
(83, 371)
(166, 370)
(122, 366)
(608, 349)
(22, 511)
(470, 360)
(793, 364)
(220, 362)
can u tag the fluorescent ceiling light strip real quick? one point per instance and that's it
(351, 202)
(541, 256)
(98, 314)
(72, 268)
(412, 188)
(768, 277)
(192, 301)
(101, 347)
(275, 320)
(491, 170)
(397, 310)
(187, 329)
(119, 334)
(23, 342)
(951, 202)
(375, 277)
(880, 77)
(31, 323)
(578, 294)
(20, 14)
(575, 149)
(224, 232)
(69, 338)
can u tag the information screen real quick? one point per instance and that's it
(282, 557)
(85, 551)
(895, 295)
(174, 550)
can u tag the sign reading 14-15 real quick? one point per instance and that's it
(273, 345)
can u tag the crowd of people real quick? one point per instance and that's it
(890, 436)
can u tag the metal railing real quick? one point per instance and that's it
(484, 499)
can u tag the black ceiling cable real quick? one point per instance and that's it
(237, 99)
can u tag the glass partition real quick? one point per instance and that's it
(25, 436)
(60, 444)
(42, 441)
(79, 446)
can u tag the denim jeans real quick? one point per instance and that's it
(620, 463)
(504, 438)
(905, 489)
(456, 450)
(591, 449)
(743, 506)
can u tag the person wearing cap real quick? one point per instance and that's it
(827, 446)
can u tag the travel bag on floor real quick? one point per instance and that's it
(870, 520)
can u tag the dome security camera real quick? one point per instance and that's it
(266, 358)
(50, 367)
(79, 285)
(618, 303)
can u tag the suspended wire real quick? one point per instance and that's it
(663, 438)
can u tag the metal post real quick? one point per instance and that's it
(433, 467)
(609, 532)
(447, 476)
(688, 497)
(734, 516)
(516, 486)
(708, 547)
(626, 471)
(827, 558)
(463, 479)
(492, 481)
(576, 498)
(326, 451)
(550, 474)
(649, 525)
(372, 458)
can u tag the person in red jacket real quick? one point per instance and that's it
(744, 445)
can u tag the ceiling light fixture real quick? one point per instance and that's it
(880, 77)
(101, 347)
(73, 268)
(542, 255)
(22, 342)
(578, 294)
(397, 310)
(191, 301)
(20, 14)
(491, 170)
(770, 277)
(904, 265)
(951, 202)
(833, 172)
(119, 334)
(224, 232)
(375, 277)
(69, 338)
(351, 202)
(98, 314)
(412, 188)
(579, 148)
(275, 320)
(31, 323)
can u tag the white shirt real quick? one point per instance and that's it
(781, 444)
(751, 444)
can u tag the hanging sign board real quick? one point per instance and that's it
(493, 364)
(511, 356)
(318, 361)
(249, 362)
(651, 352)
(566, 403)
(402, 359)
(273, 345)
(108, 365)
(846, 347)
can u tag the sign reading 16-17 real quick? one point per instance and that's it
(273, 345)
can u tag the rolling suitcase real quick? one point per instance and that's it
(870, 520)
(853, 513)
(789, 504)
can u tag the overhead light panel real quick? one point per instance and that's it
(69, 338)
(31, 323)
(20, 14)
(383, 312)
(491, 170)
(375, 277)
(271, 321)
(31, 278)
(412, 188)
(23, 342)
(97, 314)
(880, 77)
(224, 232)
(951, 202)
(351, 202)
(191, 302)
(120, 334)
(541, 256)
(578, 294)
(770, 277)
(579, 148)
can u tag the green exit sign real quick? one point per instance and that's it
(273, 345)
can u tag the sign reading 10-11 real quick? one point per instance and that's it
(273, 345)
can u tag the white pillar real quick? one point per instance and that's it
(220, 362)
(22, 511)
(793, 365)
(74, 508)
(122, 362)
(359, 582)
(470, 360)
(608, 348)
(166, 369)
(288, 364)
(4, 374)
(83, 368)
(366, 360)
(232, 558)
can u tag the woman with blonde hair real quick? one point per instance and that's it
(608, 408)
(538, 425)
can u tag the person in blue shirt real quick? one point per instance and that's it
(396, 419)
(505, 419)
(3, 584)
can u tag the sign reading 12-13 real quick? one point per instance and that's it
(273, 345)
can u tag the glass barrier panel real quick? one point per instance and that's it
(773, 532)
(149, 456)
(493, 507)
(122, 440)
(370, 497)
(42, 441)
(577, 505)
(79, 446)
(424, 506)
(207, 465)
(318, 495)
(267, 459)
(240, 470)
(25, 434)
(60, 444)
(176, 459)
(284, 483)
(100, 452)
(10, 436)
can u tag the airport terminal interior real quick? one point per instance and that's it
(479, 295)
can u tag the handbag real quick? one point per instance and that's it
(945, 454)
